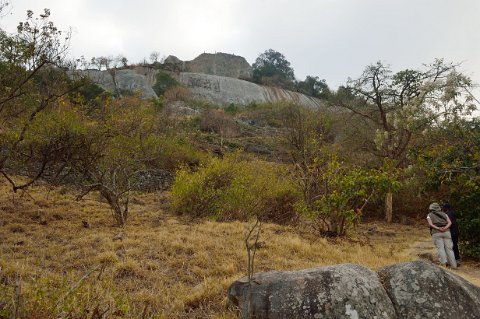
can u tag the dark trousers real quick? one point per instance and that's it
(455, 245)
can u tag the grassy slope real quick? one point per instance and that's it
(163, 267)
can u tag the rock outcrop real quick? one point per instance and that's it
(225, 90)
(130, 80)
(342, 291)
(216, 78)
(422, 290)
(410, 290)
(221, 64)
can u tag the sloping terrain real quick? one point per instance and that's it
(62, 258)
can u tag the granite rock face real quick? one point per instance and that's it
(341, 291)
(215, 78)
(131, 80)
(221, 64)
(224, 90)
(413, 290)
(420, 289)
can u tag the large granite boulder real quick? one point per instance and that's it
(123, 80)
(226, 90)
(131, 81)
(413, 290)
(341, 291)
(222, 64)
(420, 289)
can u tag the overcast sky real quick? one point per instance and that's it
(331, 39)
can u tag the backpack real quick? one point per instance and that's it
(439, 224)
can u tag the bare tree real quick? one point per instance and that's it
(120, 60)
(154, 56)
(32, 81)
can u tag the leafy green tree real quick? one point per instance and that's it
(400, 107)
(272, 68)
(163, 82)
(451, 162)
(342, 194)
(314, 87)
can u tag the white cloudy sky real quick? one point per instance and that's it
(332, 39)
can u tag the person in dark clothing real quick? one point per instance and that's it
(453, 229)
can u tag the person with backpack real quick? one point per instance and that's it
(439, 229)
(447, 209)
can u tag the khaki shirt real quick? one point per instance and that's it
(437, 221)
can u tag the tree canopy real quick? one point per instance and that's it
(272, 68)
(315, 87)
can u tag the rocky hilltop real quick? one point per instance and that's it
(216, 78)
(221, 64)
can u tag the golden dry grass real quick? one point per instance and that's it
(158, 266)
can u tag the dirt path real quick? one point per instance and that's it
(425, 249)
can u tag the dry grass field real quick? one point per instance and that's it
(60, 258)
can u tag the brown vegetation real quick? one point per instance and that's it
(54, 266)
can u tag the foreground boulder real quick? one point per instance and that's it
(341, 291)
(420, 289)
(413, 290)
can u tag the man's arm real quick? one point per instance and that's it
(446, 227)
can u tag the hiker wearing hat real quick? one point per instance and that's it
(454, 232)
(439, 228)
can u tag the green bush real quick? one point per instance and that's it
(232, 109)
(235, 188)
(164, 81)
(468, 216)
(177, 150)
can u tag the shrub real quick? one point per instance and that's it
(176, 151)
(218, 121)
(232, 109)
(468, 215)
(340, 194)
(177, 93)
(163, 82)
(235, 188)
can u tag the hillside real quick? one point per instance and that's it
(68, 260)
(144, 191)
(214, 78)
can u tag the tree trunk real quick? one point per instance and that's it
(388, 207)
(119, 214)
